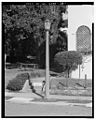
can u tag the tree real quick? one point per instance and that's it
(69, 60)
(62, 41)
(60, 45)
(26, 23)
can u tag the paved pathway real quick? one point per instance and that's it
(29, 104)
(34, 109)
(29, 98)
(22, 100)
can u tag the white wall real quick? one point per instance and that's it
(86, 70)
(79, 15)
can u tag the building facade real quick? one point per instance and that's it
(80, 19)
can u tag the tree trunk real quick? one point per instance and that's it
(68, 73)
(67, 78)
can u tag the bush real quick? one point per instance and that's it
(17, 83)
(69, 60)
(35, 74)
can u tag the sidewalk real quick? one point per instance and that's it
(22, 94)
(70, 97)
(58, 100)
(33, 95)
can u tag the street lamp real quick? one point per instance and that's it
(47, 28)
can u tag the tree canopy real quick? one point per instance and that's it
(23, 26)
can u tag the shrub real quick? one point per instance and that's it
(69, 60)
(35, 74)
(17, 83)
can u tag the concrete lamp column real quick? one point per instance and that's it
(47, 28)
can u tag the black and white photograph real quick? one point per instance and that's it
(47, 59)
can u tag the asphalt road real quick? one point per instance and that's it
(33, 109)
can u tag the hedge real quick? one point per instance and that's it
(17, 83)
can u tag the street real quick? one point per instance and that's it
(34, 109)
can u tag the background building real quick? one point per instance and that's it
(80, 19)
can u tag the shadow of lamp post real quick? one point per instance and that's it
(47, 28)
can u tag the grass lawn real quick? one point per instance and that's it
(74, 85)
